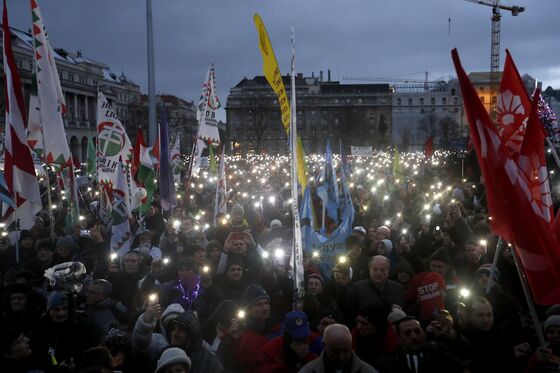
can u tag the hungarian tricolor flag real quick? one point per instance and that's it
(19, 170)
(513, 195)
(429, 147)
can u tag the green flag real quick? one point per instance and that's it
(146, 176)
(91, 158)
(213, 164)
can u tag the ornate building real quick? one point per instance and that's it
(357, 114)
(80, 77)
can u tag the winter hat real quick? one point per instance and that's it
(388, 245)
(553, 320)
(441, 255)
(66, 242)
(57, 298)
(331, 312)
(234, 260)
(95, 360)
(296, 325)
(359, 229)
(395, 315)
(384, 229)
(171, 312)
(25, 234)
(487, 268)
(190, 322)
(318, 277)
(375, 313)
(275, 224)
(255, 293)
(237, 208)
(172, 356)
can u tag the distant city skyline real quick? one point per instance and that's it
(357, 38)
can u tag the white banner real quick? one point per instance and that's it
(365, 151)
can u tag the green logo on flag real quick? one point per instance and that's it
(111, 139)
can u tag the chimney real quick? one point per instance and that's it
(329, 74)
(313, 74)
(321, 76)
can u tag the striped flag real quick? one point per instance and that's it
(19, 170)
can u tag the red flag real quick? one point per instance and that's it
(429, 147)
(18, 164)
(510, 207)
(513, 107)
(136, 153)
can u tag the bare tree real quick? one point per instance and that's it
(257, 127)
(448, 129)
(428, 126)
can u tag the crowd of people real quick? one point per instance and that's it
(413, 291)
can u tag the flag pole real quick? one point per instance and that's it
(551, 147)
(494, 264)
(528, 297)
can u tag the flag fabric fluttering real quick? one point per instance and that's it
(274, 78)
(176, 161)
(146, 178)
(91, 156)
(136, 154)
(121, 235)
(429, 147)
(297, 244)
(166, 184)
(511, 197)
(19, 170)
(327, 187)
(220, 202)
(113, 144)
(513, 107)
(155, 150)
(49, 91)
(207, 108)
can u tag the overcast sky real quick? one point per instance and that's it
(358, 38)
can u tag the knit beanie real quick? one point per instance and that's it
(189, 321)
(405, 266)
(255, 293)
(172, 356)
(66, 242)
(487, 268)
(171, 312)
(318, 277)
(44, 244)
(388, 245)
(234, 260)
(57, 298)
(553, 320)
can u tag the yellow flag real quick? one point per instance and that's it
(274, 78)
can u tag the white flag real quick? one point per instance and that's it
(220, 203)
(120, 230)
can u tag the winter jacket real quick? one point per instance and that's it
(363, 292)
(276, 358)
(251, 342)
(107, 312)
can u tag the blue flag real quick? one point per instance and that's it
(327, 189)
(168, 199)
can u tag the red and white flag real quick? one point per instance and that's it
(510, 205)
(18, 163)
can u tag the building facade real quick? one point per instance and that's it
(80, 78)
(356, 114)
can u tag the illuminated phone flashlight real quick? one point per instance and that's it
(176, 223)
(398, 214)
(205, 269)
(166, 261)
(152, 298)
(426, 207)
(342, 259)
(464, 293)
(113, 256)
(241, 314)
(279, 253)
(483, 242)
(404, 231)
(265, 254)
(315, 254)
(387, 222)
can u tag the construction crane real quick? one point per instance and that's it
(426, 83)
(495, 42)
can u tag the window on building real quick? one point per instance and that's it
(433, 101)
(455, 100)
(481, 89)
(421, 101)
(399, 101)
(444, 100)
(482, 99)
(410, 101)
